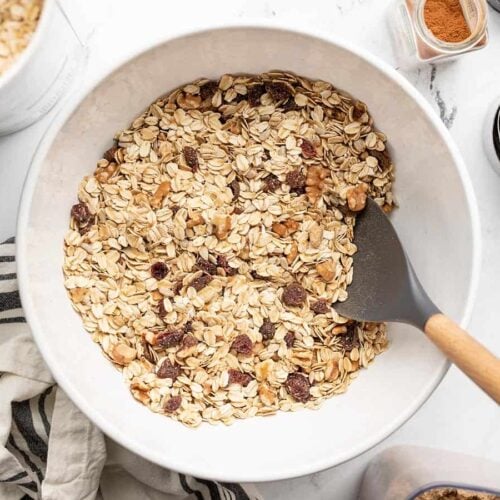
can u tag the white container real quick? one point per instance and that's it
(42, 73)
(440, 233)
(407, 471)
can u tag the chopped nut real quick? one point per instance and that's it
(123, 354)
(195, 220)
(356, 198)
(266, 394)
(315, 182)
(326, 270)
(78, 294)
(103, 174)
(222, 225)
(315, 235)
(332, 370)
(292, 254)
(264, 369)
(160, 193)
(284, 229)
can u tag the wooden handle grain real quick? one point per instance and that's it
(479, 364)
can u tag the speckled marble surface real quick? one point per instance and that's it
(457, 416)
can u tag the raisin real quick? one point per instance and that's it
(224, 265)
(169, 370)
(290, 105)
(338, 114)
(191, 157)
(81, 213)
(289, 339)
(205, 265)
(384, 160)
(358, 111)
(188, 327)
(256, 276)
(254, 94)
(279, 90)
(237, 210)
(271, 183)
(242, 344)
(267, 329)
(161, 309)
(298, 386)
(207, 90)
(236, 377)
(173, 404)
(297, 182)
(175, 208)
(321, 306)
(188, 341)
(294, 295)
(350, 339)
(234, 185)
(177, 287)
(169, 338)
(308, 150)
(201, 282)
(159, 270)
(109, 155)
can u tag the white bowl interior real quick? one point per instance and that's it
(433, 221)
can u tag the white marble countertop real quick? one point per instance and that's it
(457, 416)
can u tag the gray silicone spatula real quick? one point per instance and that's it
(386, 288)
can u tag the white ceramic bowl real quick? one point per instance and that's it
(437, 222)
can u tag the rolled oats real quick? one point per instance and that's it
(207, 251)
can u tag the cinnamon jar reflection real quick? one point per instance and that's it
(430, 31)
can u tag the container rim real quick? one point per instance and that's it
(22, 59)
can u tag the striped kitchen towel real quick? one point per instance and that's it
(49, 450)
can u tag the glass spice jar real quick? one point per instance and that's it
(415, 44)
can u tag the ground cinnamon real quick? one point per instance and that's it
(446, 20)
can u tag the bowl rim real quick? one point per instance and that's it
(167, 460)
(22, 59)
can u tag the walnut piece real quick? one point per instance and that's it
(264, 369)
(284, 229)
(356, 197)
(195, 220)
(315, 182)
(160, 193)
(326, 270)
(103, 174)
(315, 235)
(222, 225)
(332, 370)
(266, 394)
(123, 354)
(294, 251)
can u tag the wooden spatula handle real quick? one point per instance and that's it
(479, 364)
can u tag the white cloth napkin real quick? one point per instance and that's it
(49, 450)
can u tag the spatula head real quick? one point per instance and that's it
(384, 285)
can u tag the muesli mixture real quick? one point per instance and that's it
(18, 21)
(209, 245)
